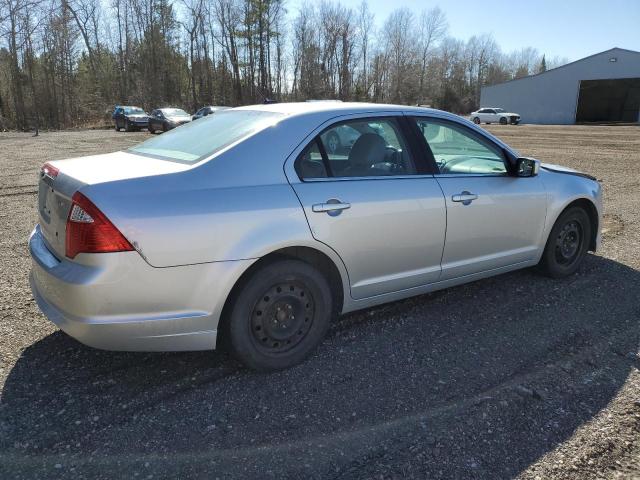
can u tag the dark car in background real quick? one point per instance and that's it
(164, 119)
(130, 118)
(204, 111)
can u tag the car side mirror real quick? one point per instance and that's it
(527, 167)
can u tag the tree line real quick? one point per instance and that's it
(66, 63)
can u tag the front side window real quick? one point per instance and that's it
(457, 150)
(371, 147)
(196, 140)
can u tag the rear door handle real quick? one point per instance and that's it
(465, 197)
(332, 207)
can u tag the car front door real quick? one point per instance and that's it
(374, 205)
(494, 219)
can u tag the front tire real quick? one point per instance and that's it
(503, 121)
(567, 244)
(279, 316)
(476, 120)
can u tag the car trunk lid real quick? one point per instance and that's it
(59, 180)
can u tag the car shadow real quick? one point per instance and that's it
(477, 381)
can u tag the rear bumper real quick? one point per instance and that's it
(117, 301)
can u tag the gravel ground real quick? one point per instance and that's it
(515, 376)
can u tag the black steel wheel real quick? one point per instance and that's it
(282, 317)
(567, 244)
(279, 315)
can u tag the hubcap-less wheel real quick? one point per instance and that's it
(279, 315)
(568, 243)
(282, 318)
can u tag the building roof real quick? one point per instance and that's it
(551, 70)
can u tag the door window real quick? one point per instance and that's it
(457, 150)
(357, 148)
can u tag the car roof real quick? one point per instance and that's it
(337, 107)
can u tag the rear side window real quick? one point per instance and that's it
(197, 140)
(371, 147)
(310, 163)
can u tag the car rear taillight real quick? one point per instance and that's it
(49, 170)
(90, 231)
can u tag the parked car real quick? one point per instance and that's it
(129, 118)
(204, 111)
(242, 229)
(165, 119)
(494, 115)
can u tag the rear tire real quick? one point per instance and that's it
(567, 244)
(279, 316)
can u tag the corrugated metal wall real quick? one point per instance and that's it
(551, 97)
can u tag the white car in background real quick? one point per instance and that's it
(494, 115)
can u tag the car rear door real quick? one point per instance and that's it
(494, 219)
(382, 212)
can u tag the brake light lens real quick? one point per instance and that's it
(90, 231)
(49, 170)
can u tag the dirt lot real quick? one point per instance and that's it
(516, 376)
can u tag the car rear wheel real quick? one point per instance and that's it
(503, 121)
(567, 244)
(476, 120)
(279, 316)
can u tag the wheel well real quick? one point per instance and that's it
(313, 257)
(591, 210)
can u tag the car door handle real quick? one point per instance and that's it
(465, 197)
(332, 207)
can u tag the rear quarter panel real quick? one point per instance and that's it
(238, 205)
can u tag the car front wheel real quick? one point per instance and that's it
(476, 120)
(503, 121)
(567, 244)
(279, 316)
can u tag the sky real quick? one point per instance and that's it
(564, 28)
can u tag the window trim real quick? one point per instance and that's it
(403, 130)
(506, 158)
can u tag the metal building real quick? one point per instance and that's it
(604, 87)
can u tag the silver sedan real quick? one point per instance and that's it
(244, 229)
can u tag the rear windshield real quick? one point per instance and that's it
(133, 110)
(197, 140)
(178, 112)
